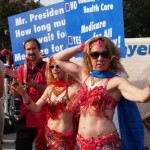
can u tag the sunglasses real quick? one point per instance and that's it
(104, 54)
(54, 66)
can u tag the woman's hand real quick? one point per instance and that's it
(11, 73)
(18, 88)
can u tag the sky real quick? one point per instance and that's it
(49, 2)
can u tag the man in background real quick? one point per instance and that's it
(31, 75)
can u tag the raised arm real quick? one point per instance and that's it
(63, 60)
(132, 92)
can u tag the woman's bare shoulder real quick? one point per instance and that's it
(116, 81)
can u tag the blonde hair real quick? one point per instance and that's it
(49, 76)
(48, 73)
(115, 65)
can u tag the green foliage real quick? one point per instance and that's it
(10, 8)
(136, 18)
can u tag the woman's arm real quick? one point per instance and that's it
(32, 106)
(132, 92)
(62, 58)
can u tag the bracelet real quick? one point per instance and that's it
(82, 46)
(29, 102)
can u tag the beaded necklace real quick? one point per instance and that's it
(94, 82)
(59, 87)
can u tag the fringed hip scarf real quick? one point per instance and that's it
(56, 140)
(110, 142)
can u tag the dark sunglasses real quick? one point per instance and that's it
(104, 54)
(54, 66)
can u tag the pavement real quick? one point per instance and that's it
(9, 141)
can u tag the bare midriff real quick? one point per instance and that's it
(63, 124)
(93, 125)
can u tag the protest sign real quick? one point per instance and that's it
(47, 24)
(66, 24)
(90, 18)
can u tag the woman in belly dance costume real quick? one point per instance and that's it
(100, 92)
(60, 130)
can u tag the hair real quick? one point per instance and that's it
(49, 75)
(32, 39)
(115, 65)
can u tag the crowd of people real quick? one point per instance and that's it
(71, 107)
(5, 61)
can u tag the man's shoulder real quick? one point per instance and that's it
(21, 66)
(42, 64)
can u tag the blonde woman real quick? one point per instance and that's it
(60, 130)
(100, 92)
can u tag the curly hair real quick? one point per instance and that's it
(115, 65)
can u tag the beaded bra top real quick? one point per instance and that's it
(60, 105)
(97, 97)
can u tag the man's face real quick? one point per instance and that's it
(32, 51)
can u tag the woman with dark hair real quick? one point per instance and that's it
(100, 93)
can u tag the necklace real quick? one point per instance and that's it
(58, 90)
(95, 81)
(59, 87)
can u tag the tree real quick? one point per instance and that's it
(136, 18)
(9, 8)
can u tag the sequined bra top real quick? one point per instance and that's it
(59, 107)
(97, 97)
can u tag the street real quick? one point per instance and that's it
(9, 141)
